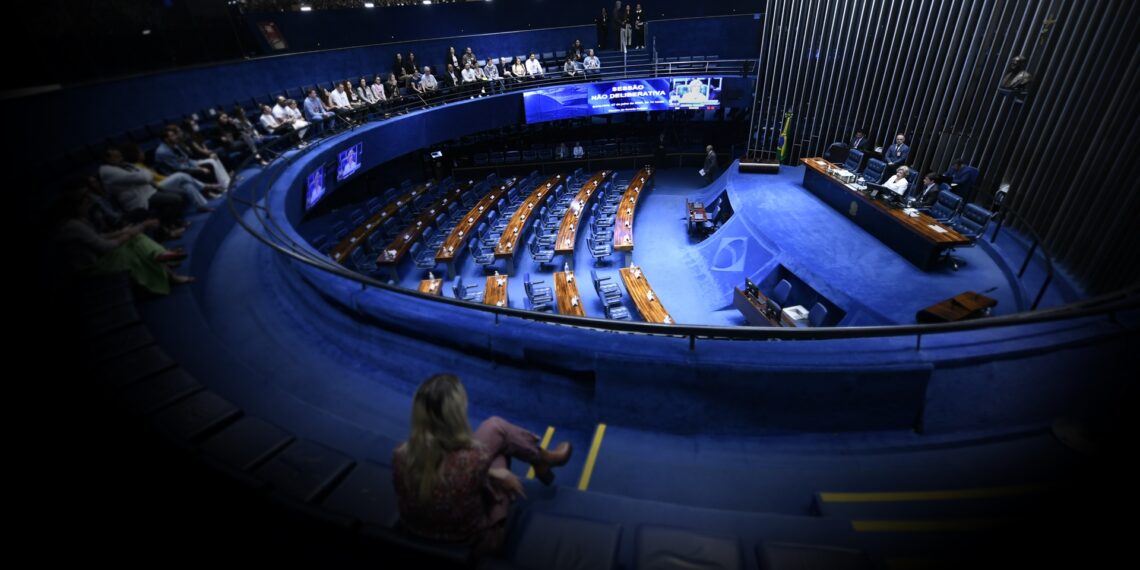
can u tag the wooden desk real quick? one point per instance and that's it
(623, 225)
(697, 214)
(509, 242)
(390, 257)
(914, 238)
(453, 246)
(639, 290)
(564, 291)
(496, 291)
(755, 311)
(968, 305)
(571, 222)
(432, 286)
(359, 235)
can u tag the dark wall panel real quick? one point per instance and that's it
(328, 29)
(932, 69)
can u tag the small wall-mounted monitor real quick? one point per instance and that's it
(349, 161)
(315, 187)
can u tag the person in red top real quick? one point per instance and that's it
(455, 485)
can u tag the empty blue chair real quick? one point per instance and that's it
(607, 290)
(542, 254)
(854, 161)
(971, 223)
(817, 315)
(618, 312)
(945, 206)
(778, 298)
(874, 171)
(465, 292)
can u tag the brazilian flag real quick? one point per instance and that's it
(782, 143)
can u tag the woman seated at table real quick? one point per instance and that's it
(898, 183)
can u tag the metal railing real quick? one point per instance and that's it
(272, 235)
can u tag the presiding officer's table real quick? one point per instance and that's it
(920, 239)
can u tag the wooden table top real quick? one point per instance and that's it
(623, 226)
(509, 242)
(568, 231)
(496, 291)
(697, 212)
(640, 291)
(360, 234)
(453, 245)
(431, 286)
(566, 290)
(968, 305)
(398, 248)
(922, 224)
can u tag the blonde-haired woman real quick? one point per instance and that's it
(456, 485)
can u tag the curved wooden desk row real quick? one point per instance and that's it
(453, 246)
(571, 222)
(647, 302)
(623, 226)
(360, 234)
(920, 239)
(509, 242)
(395, 251)
(567, 296)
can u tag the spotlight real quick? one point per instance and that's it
(305, 8)
(369, 5)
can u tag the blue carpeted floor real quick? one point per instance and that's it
(262, 338)
(778, 224)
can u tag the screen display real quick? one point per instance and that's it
(655, 94)
(348, 161)
(315, 187)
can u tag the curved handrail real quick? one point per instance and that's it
(1110, 303)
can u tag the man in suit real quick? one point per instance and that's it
(860, 141)
(710, 165)
(897, 153)
(929, 192)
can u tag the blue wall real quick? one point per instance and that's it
(89, 114)
(307, 31)
(730, 37)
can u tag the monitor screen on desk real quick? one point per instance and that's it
(751, 289)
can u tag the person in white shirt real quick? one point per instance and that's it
(338, 99)
(428, 82)
(569, 68)
(279, 108)
(592, 64)
(468, 74)
(898, 183)
(294, 115)
(533, 67)
(560, 152)
(579, 152)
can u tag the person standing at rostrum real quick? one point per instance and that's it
(709, 170)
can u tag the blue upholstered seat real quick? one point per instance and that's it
(854, 161)
(946, 205)
(874, 171)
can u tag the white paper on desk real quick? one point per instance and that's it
(938, 228)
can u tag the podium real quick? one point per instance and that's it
(968, 305)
